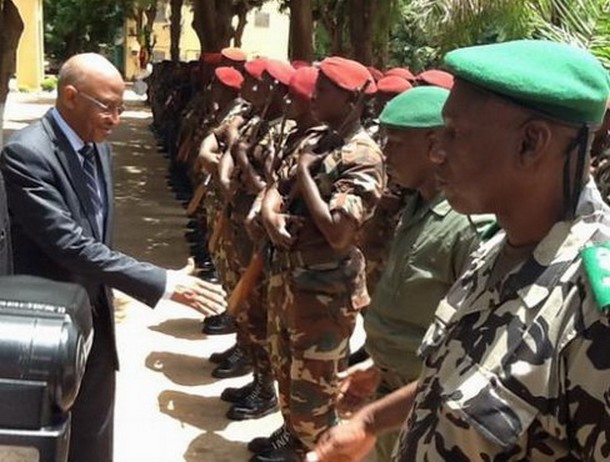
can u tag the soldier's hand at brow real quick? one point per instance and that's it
(205, 297)
(357, 384)
(348, 442)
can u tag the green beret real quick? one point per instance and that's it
(420, 107)
(559, 80)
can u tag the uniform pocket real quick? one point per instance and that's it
(483, 401)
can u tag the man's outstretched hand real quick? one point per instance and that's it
(207, 298)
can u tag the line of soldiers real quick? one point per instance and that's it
(304, 218)
(294, 207)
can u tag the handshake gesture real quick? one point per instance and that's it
(207, 298)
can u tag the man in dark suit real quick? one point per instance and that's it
(59, 188)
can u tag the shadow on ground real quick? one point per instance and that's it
(222, 449)
(183, 328)
(205, 413)
(181, 369)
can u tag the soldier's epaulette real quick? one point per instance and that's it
(596, 262)
(490, 231)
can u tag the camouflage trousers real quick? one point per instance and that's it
(251, 323)
(309, 338)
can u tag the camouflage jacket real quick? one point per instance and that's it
(519, 370)
(351, 179)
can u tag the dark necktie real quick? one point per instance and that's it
(90, 170)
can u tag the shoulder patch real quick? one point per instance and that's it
(596, 262)
(490, 231)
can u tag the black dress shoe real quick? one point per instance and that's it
(237, 364)
(261, 401)
(224, 324)
(219, 357)
(234, 395)
(266, 444)
(357, 356)
(279, 455)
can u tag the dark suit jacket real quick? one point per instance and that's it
(6, 261)
(52, 222)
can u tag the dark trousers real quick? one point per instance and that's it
(93, 412)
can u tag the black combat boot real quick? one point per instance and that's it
(217, 358)
(285, 448)
(223, 324)
(266, 444)
(238, 363)
(261, 401)
(358, 356)
(234, 395)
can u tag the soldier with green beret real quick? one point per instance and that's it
(428, 253)
(515, 363)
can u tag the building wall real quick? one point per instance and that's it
(266, 34)
(30, 53)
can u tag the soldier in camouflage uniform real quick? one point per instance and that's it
(515, 363)
(213, 155)
(307, 129)
(317, 283)
(252, 154)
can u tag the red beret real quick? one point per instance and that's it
(376, 73)
(211, 58)
(256, 67)
(280, 71)
(403, 72)
(229, 77)
(393, 84)
(234, 54)
(436, 78)
(347, 74)
(297, 64)
(303, 82)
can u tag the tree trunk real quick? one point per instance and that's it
(72, 44)
(11, 28)
(242, 21)
(175, 29)
(301, 30)
(361, 27)
(212, 23)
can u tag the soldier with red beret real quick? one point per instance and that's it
(316, 276)
(436, 78)
(403, 72)
(251, 157)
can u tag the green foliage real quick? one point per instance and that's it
(430, 28)
(584, 23)
(74, 26)
(49, 83)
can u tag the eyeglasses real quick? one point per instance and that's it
(108, 109)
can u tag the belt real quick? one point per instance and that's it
(281, 260)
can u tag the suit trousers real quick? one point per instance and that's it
(91, 438)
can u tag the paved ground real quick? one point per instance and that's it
(168, 408)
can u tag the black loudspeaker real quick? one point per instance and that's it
(45, 337)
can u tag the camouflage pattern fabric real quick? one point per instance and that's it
(375, 236)
(314, 294)
(518, 370)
